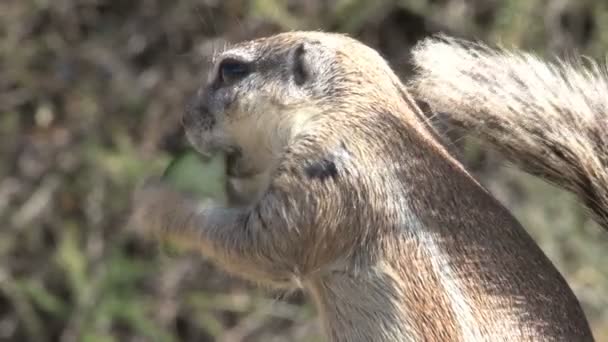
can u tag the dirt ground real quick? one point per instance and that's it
(91, 93)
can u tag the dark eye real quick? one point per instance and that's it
(232, 70)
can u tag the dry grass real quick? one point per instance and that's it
(90, 97)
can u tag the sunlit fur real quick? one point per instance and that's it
(360, 205)
(550, 118)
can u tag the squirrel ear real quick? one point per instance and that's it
(300, 67)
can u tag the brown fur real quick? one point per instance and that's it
(551, 119)
(360, 204)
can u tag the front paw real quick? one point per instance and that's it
(155, 208)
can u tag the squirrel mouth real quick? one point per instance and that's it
(236, 165)
(232, 158)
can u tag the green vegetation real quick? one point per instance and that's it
(91, 94)
(204, 177)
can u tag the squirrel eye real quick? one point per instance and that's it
(231, 70)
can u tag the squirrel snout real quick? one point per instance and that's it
(197, 114)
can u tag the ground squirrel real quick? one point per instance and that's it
(550, 118)
(345, 191)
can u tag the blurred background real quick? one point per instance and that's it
(91, 94)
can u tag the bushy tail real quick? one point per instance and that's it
(549, 118)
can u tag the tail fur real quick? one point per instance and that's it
(549, 118)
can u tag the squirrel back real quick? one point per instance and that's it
(548, 117)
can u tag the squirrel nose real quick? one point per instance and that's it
(197, 113)
(193, 108)
(189, 114)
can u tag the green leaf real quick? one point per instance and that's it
(203, 177)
